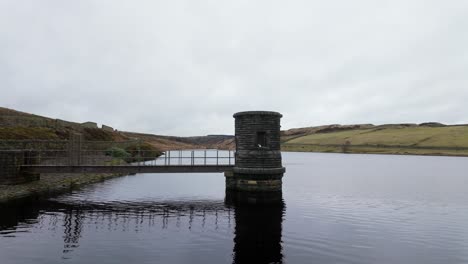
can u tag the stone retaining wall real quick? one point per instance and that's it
(10, 162)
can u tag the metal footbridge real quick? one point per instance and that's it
(78, 156)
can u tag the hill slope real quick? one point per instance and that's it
(428, 138)
(16, 125)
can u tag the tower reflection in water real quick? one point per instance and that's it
(258, 229)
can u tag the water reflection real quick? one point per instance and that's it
(259, 218)
(17, 212)
(257, 231)
(370, 209)
(73, 224)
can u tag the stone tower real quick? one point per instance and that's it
(258, 155)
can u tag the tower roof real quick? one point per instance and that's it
(271, 113)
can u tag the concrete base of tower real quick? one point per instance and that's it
(255, 179)
(239, 198)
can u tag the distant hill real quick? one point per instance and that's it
(164, 142)
(304, 131)
(215, 141)
(430, 138)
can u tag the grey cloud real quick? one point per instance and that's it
(184, 67)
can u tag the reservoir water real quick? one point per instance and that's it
(335, 208)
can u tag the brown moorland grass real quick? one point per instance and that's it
(418, 140)
(20, 133)
(449, 136)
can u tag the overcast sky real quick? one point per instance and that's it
(184, 67)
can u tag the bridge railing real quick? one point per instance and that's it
(57, 157)
(75, 152)
(195, 158)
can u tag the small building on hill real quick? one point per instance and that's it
(89, 124)
(107, 128)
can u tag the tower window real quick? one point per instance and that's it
(261, 139)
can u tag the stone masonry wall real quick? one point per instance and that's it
(258, 165)
(249, 154)
(9, 166)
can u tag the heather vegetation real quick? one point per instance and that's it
(21, 133)
(15, 125)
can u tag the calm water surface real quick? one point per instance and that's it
(334, 209)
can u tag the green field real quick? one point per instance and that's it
(419, 140)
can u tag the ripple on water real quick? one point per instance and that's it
(337, 209)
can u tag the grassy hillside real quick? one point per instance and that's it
(225, 142)
(20, 133)
(16, 125)
(424, 139)
(392, 139)
(163, 142)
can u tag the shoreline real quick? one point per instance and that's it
(380, 153)
(51, 185)
(56, 184)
